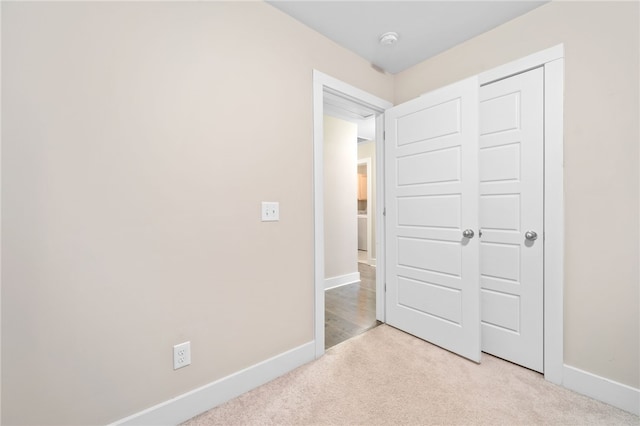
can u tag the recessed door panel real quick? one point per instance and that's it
(429, 123)
(442, 211)
(500, 163)
(500, 260)
(501, 310)
(500, 114)
(431, 299)
(444, 257)
(500, 212)
(429, 167)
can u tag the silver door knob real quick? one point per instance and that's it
(531, 235)
(468, 233)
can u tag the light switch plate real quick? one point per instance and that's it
(270, 211)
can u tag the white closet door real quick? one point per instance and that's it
(432, 271)
(511, 205)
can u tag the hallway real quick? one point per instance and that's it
(351, 309)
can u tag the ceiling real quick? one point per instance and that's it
(425, 28)
(336, 105)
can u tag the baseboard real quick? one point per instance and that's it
(190, 404)
(341, 280)
(605, 390)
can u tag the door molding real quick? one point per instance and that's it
(322, 82)
(552, 61)
(367, 162)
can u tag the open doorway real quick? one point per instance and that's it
(364, 186)
(366, 201)
(350, 296)
(349, 133)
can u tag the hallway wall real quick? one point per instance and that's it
(340, 201)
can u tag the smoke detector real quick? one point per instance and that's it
(388, 39)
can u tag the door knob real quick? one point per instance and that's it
(468, 233)
(531, 235)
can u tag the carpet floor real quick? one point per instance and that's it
(387, 377)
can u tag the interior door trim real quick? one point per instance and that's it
(521, 65)
(321, 83)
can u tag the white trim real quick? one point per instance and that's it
(553, 220)
(380, 222)
(552, 60)
(190, 404)
(369, 207)
(605, 390)
(521, 65)
(341, 280)
(1, 220)
(318, 210)
(367, 162)
(320, 82)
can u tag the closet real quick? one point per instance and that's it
(464, 217)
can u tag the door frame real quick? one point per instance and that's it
(322, 82)
(367, 163)
(552, 59)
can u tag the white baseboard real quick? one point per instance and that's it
(190, 404)
(605, 390)
(341, 280)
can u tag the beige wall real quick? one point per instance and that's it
(131, 189)
(340, 197)
(601, 309)
(368, 150)
(138, 141)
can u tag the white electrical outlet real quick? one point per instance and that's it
(270, 211)
(181, 355)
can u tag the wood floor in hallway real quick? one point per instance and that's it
(351, 309)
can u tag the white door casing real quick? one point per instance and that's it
(511, 161)
(431, 189)
(321, 83)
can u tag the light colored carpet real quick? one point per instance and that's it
(387, 377)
